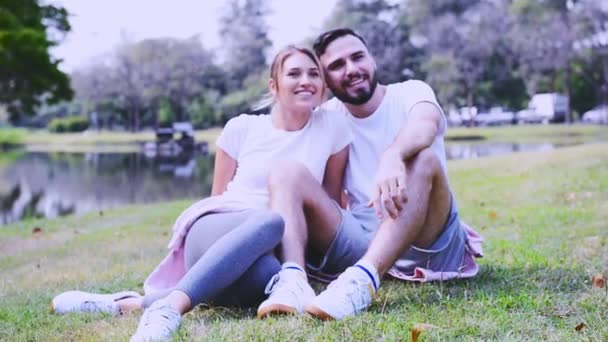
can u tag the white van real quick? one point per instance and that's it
(545, 108)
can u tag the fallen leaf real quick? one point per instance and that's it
(418, 328)
(492, 215)
(165, 233)
(580, 327)
(37, 232)
(598, 281)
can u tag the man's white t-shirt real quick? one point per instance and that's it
(258, 147)
(373, 135)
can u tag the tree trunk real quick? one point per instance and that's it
(569, 119)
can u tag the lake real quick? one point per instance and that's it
(40, 184)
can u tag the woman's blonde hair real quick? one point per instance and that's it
(277, 66)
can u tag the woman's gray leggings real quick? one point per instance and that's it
(229, 258)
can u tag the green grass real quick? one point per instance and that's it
(544, 216)
(564, 134)
(11, 136)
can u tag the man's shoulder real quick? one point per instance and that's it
(410, 86)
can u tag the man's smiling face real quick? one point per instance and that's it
(350, 70)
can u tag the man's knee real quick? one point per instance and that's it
(425, 164)
(288, 176)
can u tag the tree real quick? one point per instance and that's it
(467, 43)
(29, 76)
(245, 40)
(388, 39)
(143, 75)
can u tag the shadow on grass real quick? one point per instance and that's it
(504, 287)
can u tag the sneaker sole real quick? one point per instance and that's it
(319, 313)
(276, 309)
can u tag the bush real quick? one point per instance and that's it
(69, 124)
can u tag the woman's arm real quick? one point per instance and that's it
(224, 170)
(333, 180)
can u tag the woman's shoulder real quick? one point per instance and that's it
(245, 120)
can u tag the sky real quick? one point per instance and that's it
(98, 27)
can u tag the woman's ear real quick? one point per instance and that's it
(272, 86)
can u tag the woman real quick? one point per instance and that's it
(222, 246)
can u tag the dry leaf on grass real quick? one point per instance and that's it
(580, 327)
(37, 232)
(598, 281)
(418, 328)
(492, 215)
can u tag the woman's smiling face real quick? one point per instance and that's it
(299, 85)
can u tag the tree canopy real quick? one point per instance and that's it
(29, 76)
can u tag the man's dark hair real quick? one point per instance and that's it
(322, 41)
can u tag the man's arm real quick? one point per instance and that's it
(419, 132)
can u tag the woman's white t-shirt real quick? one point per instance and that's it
(258, 147)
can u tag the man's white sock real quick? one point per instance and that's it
(371, 272)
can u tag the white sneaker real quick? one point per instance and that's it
(158, 323)
(351, 293)
(289, 294)
(85, 302)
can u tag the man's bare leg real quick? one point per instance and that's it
(422, 218)
(420, 222)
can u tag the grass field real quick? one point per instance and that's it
(544, 216)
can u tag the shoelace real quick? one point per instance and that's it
(352, 295)
(270, 287)
(95, 307)
(275, 284)
(158, 317)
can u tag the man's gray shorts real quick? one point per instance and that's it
(353, 239)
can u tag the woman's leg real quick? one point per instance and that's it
(220, 249)
(248, 290)
(218, 267)
(229, 258)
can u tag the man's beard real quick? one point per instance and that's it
(362, 96)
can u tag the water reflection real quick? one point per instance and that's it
(483, 149)
(55, 184)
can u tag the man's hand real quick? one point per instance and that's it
(389, 185)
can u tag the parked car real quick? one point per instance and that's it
(597, 115)
(496, 116)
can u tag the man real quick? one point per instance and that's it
(402, 217)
